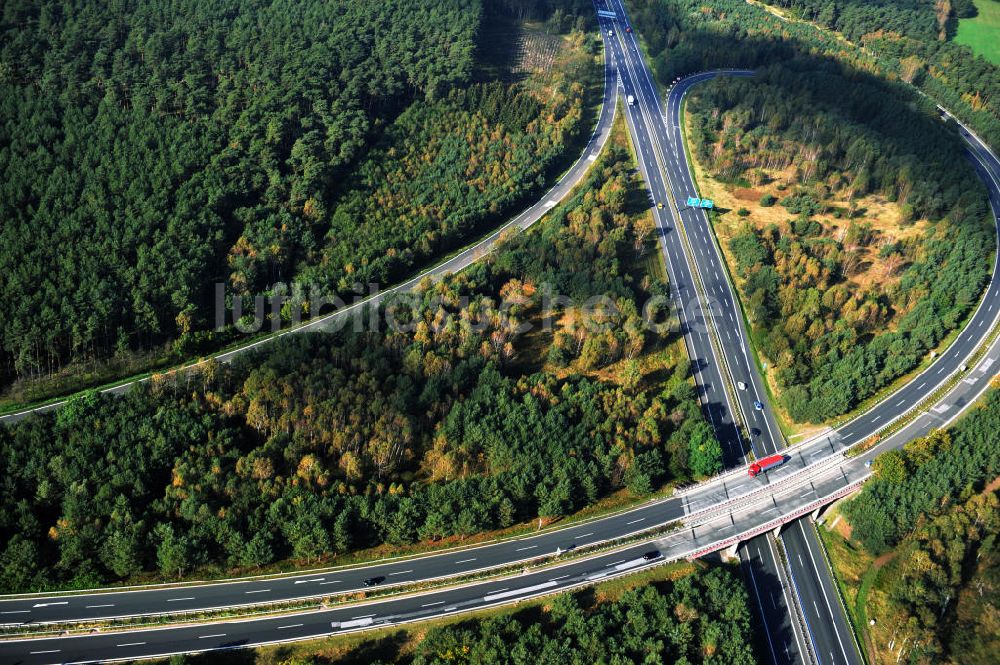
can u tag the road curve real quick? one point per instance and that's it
(726, 509)
(717, 494)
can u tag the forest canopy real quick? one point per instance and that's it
(154, 149)
(842, 299)
(445, 427)
(893, 41)
(922, 555)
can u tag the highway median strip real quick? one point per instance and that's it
(330, 601)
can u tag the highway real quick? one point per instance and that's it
(716, 514)
(709, 528)
(735, 355)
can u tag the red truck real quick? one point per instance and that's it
(765, 464)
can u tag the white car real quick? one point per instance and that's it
(611, 33)
(741, 385)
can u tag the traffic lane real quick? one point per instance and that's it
(805, 463)
(255, 632)
(983, 318)
(707, 374)
(713, 532)
(825, 619)
(333, 582)
(948, 408)
(765, 435)
(760, 572)
(732, 443)
(736, 348)
(953, 357)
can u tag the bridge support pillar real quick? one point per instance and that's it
(776, 531)
(729, 553)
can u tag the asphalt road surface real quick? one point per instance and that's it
(717, 513)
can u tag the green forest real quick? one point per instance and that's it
(922, 559)
(926, 476)
(841, 310)
(154, 149)
(445, 426)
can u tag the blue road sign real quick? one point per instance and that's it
(693, 202)
(707, 203)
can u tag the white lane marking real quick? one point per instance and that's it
(17, 612)
(921, 385)
(526, 548)
(64, 602)
(876, 419)
(617, 562)
(34, 653)
(259, 591)
(584, 535)
(518, 592)
(402, 572)
(465, 561)
(208, 637)
(330, 582)
(94, 607)
(177, 600)
(130, 644)
(363, 616)
(558, 578)
(440, 602)
(317, 579)
(291, 625)
(635, 521)
(901, 402)
(822, 588)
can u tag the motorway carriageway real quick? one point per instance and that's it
(829, 626)
(751, 514)
(728, 489)
(690, 541)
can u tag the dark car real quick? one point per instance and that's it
(373, 581)
(652, 555)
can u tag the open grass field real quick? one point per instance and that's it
(982, 33)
